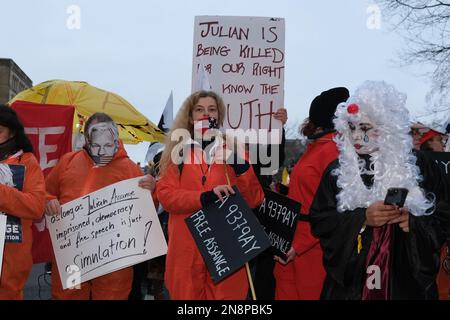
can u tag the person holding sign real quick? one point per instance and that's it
(194, 174)
(22, 199)
(102, 162)
(301, 275)
(380, 224)
(263, 265)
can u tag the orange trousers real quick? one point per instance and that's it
(17, 264)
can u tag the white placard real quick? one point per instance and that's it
(104, 231)
(243, 59)
(2, 239)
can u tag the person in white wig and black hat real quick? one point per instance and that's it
(373, 250)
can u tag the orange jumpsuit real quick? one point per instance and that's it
(28, 205)
(186, 275)
(302, 279)
(74, 176)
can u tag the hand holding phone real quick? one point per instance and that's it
(396, 197)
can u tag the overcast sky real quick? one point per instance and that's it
(143, 49)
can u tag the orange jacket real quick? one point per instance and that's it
(27, 204)
(74, 176)
(180, 196)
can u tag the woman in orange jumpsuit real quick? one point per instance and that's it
(184, 189)
(103, 161)
(25, 205)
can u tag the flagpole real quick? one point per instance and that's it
(249, 275)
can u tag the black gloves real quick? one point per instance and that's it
(239, 165)
(207, 197)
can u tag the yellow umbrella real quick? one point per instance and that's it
(134, 127)
(285, 177)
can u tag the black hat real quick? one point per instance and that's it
(323, 106)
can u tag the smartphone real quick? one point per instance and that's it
(396, 196)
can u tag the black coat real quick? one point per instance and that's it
(414, 255)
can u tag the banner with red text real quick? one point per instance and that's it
(49, 128)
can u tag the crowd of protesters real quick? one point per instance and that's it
(359, 145)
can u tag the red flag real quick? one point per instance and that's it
(49, 128)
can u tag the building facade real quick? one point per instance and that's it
(12, 80)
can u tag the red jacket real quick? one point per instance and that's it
(303, 278)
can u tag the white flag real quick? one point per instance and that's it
(167, 116)
(203, 79)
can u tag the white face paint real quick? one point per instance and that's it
(364, 136)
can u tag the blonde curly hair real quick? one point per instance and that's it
(183, 120)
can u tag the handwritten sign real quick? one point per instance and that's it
(279, 214)
(12, 175)
(243, 59)
(104, 231)
(227, 234)
(2, 240)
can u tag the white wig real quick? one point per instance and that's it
(393, 165)
(6, 175)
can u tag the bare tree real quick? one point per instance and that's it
(291, 130)
(424, 25)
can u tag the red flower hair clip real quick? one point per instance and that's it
(353, 108)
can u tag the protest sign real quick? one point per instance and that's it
(49, 128)
(104, 231)
(13, 175)
(227, 234)
(279, 214)
(242, 59)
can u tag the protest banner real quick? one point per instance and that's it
(49, 128)
(242, 59)
(279, 214)
(104, 231)
(227, 234)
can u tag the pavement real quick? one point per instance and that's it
(38, 284)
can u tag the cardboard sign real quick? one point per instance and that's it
(104, 231)
(49, 128)
(12, 175)
(242, 59)
(279, 214)
(227, 234)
